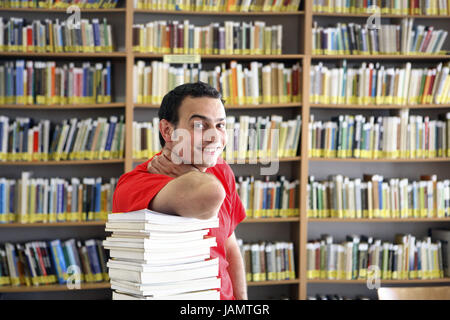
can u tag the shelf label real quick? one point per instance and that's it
(181, 58)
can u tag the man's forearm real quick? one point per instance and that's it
(236, 270)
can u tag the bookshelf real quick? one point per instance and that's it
(296, 229)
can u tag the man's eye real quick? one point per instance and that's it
(221, 125)
(198, 125)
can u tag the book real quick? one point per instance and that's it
(168, 289)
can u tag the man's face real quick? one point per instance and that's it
(203, 132)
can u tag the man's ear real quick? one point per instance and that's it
(166, 129)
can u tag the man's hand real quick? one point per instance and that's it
(163, 164)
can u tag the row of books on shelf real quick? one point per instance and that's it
(219, 5)
(50, 200)
(362, 257)
(16, 34)
(377, 197)
(48, 82)
(249, 138)
(24, 139)
(58, 4)
(373, 83)
(353, 38)
(239, 84)
(38, 263)
(412, 7)
(229, 37)
(356, 136)
(268, 199)
(268, 261)
(262, 137)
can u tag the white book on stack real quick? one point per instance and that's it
(199, 295)
(171, 288)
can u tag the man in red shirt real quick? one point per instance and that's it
(189, 178)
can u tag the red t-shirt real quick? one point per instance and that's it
(135, 190)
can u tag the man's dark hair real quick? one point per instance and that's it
(173, 99)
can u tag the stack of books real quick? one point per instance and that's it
(155, 256)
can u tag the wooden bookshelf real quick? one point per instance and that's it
(54, 287)
(300, 165)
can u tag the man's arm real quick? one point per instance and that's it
(236, 268)
(193, 194)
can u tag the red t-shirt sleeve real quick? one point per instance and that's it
(136, 189)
